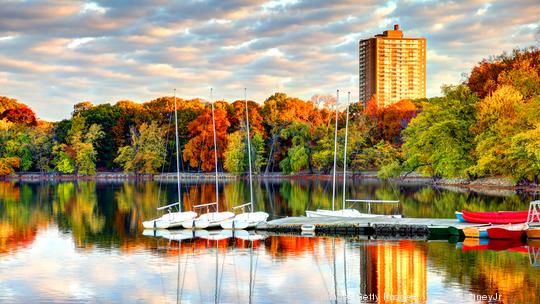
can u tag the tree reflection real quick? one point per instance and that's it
(488, 272)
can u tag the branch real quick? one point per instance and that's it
(414, 169)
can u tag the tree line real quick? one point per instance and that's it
(486, 126)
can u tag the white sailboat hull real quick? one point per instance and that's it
(245, 220)
(347, 213)
(244, 235)
(173, 235)
(170, 220)
(214, 235)
(208, 220)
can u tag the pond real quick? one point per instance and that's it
(83, 242)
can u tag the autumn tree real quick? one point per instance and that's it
(521, 67)
(8, 165)
(20, 115)
(237, 117)
(389, 121)
(199, 151)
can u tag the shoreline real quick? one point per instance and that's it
(495, 183)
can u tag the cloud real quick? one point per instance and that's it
(65, 52)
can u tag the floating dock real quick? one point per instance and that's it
(378, 226)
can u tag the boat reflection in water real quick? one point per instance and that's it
(346, 269)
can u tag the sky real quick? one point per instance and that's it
(54, 54)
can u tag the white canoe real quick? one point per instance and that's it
(349, 213)
(170, 220)
(245, 220)
(208, 220)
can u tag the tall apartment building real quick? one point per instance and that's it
(392, 67)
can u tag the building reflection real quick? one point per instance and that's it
(396, 271)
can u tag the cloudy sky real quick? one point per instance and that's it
(54, 54)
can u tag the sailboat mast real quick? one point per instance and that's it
(177, 154)
(215, 146)
(249, 151)
(345, 148)
(335, 154)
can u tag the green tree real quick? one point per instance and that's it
(258, 150)
(235, 155)
(64, 161)
(323, 152)
(78, 155)
(439, 140)
(505, 142)
(41, 146)
(299, 152)
(147, 151)
(105, 116)
(19, 146)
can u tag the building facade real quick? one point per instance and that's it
(392, 68)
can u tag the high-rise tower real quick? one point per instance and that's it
(392, 68)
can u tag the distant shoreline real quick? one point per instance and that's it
(483, 183)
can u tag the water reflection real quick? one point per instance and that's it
(106, 214)
(275, 269)
(82, 241)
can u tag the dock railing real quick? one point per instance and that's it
(168, 207)
(207, 206)
(243, 207)
(371, 201)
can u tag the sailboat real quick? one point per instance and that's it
(210, 219)
(250, 219)
(172, 219)
(345, 212)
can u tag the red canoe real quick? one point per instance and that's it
(510, 232)
(500, 217)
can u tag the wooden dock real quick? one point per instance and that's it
(405, 228)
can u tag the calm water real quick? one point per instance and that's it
(83, 242)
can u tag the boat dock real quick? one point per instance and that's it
(378, 226)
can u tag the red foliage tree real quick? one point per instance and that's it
(485, 77)
(395, 118)
(20, 115)
(391, 120)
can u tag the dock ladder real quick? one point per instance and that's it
(534, 212)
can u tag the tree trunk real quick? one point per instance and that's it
(271, 154)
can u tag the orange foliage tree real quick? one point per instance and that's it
(237, 117)
(199, 151)
(8, 165)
